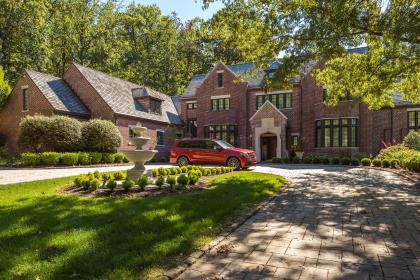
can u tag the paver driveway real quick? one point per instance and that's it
(332, 223)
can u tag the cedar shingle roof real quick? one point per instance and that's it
(118, 94)
(58, 93)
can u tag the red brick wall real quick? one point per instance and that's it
(96, 105)
(12, 114)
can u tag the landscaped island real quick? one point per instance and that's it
(51, 235)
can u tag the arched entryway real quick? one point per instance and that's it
(268, 143)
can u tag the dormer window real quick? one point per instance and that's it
(220, 79)
(155, 106)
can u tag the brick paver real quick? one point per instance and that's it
(330, 224)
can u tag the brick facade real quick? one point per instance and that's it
(374, 127)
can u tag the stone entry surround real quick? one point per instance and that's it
(332, 223)
(269, 120)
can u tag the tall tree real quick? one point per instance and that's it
(313, 30)
(4, 89)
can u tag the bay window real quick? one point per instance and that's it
(337, 133)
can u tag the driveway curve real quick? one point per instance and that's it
(331, 223)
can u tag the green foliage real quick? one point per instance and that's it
(155, 172)
(101, 135)
(63, 134)
(412, 140)
(85, 183)
(325, 160)
(106, 177)
(78, 181)
(171, 180)
(192, 179)
(162, 171)
(83, 158)
(182, 180)
(108, 158)
(335, 160)
(5, 89)
(69, 159)
(30, 159)
(394, 163)
(412, 163)
(94, 184)
(33, 131)
(49, 158)
(119, 157)
(127, 184)
(184, 169)
(366, 161)
(97, 175)
(160, 181)
(345, 161)
(118, 175)
(95, 158)
(173, 171)
(354, 162)
(398, 152)
(376, 162)
(142, 182)
(386, 163)
(112, 184)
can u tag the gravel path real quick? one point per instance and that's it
(331, 223)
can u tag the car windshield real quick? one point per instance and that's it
(224, 144)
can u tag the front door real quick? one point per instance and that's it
(268, 146)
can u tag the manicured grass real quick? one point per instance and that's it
(53, 236)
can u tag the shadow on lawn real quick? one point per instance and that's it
(371, 229)
(117, 238)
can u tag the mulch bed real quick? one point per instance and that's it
(150, 190)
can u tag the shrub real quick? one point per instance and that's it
(335, 160)
(412, 140)
(171, 180)
(190, 167)
(307, 160)
(276, 160)
(78, 181)
(83, 159)
(106, 177)
(108, 158)
(178, 170)
(3, 140)
(64, 134)
(182, 180)
(33, 132)
(376, 162)
(127, 184)
(394, 163)
(119, 157)
(119, 176)
(160, 181)
(112, 184)
(155, 172)
(172, 171)
(100, 135)
(163, 159)
(345, 161)
(325, 160)
(316, 159)
(95, 158)
(285, 160)
(30, 159)
(69, 159)
(142, 182)
(49, 158)
(412, 163)
(366, 161)
(97, 175)
(94, 184)
(205, 172)
(395, 152)
(192, 179)
(386, 163)
(85, 183)
(162, 171)
(355, 162)
(184, 169)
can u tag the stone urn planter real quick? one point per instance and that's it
(299, 155)
(138, 156)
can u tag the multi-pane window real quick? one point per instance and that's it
(192, 128)
(226, 132)
(295, 140)
(220, 79)
(159, 138)
(155, 106)
(280, 100)
(192, 105)
(414, 120)
(220, 104)
(25, 99)
(337, 132)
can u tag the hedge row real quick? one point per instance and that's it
(318, 159)
(187, 169)
(70, 159)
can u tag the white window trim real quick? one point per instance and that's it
(274, 92)
(189, 102)
(413, 109)
(160, 145)
(220, 96)
(220, 71)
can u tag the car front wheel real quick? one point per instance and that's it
(234, 163)
(183, 161)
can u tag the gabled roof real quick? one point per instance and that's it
(58, 93)
(238, 70)
(146, 92)
(118, 94)
(270, 105)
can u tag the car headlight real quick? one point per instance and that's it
(245, 154)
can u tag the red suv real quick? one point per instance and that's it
(209, 151)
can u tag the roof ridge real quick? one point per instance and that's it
(43, 73)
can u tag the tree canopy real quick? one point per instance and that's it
(4, 89)
(307, 31)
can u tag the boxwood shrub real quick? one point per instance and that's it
(394, 163)
(49, 158)
(345, 161)
(386, 163)
(30, 159)
(108, 158)
(182, 180)
(119, 157)
(366, 161)
(101, 135)
(335, 160)
(355, 162)
(83, 158)
(69, 159)
(95, 158)
(376, 162)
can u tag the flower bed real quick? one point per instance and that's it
(162, 181)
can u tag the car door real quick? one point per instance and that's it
(198, 151)
(215, 153)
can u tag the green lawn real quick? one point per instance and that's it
(44, 233)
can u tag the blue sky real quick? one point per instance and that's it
(186, 9)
